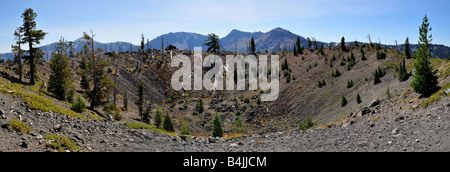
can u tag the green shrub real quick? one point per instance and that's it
(238, 127)
(79, 106)
(184, 129)
(246, 100)
(307, 124)
(350, 84)
(19, 126)
(62, 143)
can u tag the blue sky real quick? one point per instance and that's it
(326, 20)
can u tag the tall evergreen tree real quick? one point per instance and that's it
(252, 45)
(158, 117)
(61, 82)
(343, 48)
(199, 106)
(83, 71)
(217, 130)
(17, 48)
(31, 36)
(140, 101)
(407, 49)
(425, 79)
(343, 101)
(309, 43)
(358, 98)
(213, 43)
(299, 48)
(168, 125)
(238, 127)
(295, 51)
(103, 85)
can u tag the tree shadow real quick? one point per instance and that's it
(428, 94)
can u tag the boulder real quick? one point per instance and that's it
(57, 127)
(374, 103)
(363, 111)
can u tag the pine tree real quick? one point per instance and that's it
(238, 127)
(213, 43)
(407, 49)
(343, 48)
(286, 66)
(60, 84)
(321, 49)
(425, 80)
(315, 43)
(141, 102)
(217, 130)
(84, 73)
(31, 36)
(358, 98)
(363, 56)
(295, 51)
(199, 106)
(168, 126)
(299, 48)
(343, 101)
(403, 75)
(17, 48)
(309, 43)
(103, 85)
(252, 45)
(158, 117)
(184, 128)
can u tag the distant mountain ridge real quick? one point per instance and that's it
(236, 40)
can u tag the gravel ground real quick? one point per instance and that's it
(389, 126)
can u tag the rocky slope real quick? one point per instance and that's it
(392, 125)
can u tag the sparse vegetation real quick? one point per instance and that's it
(307, 124)
(379, 73)
(19, 126)
(321, 83)
(184, 128)
(381, 55)
(336, 73)
(349, 83)
(62, 143)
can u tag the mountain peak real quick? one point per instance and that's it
(279, 29)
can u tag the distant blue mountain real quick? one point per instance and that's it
(182, 40)
(273, 40)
